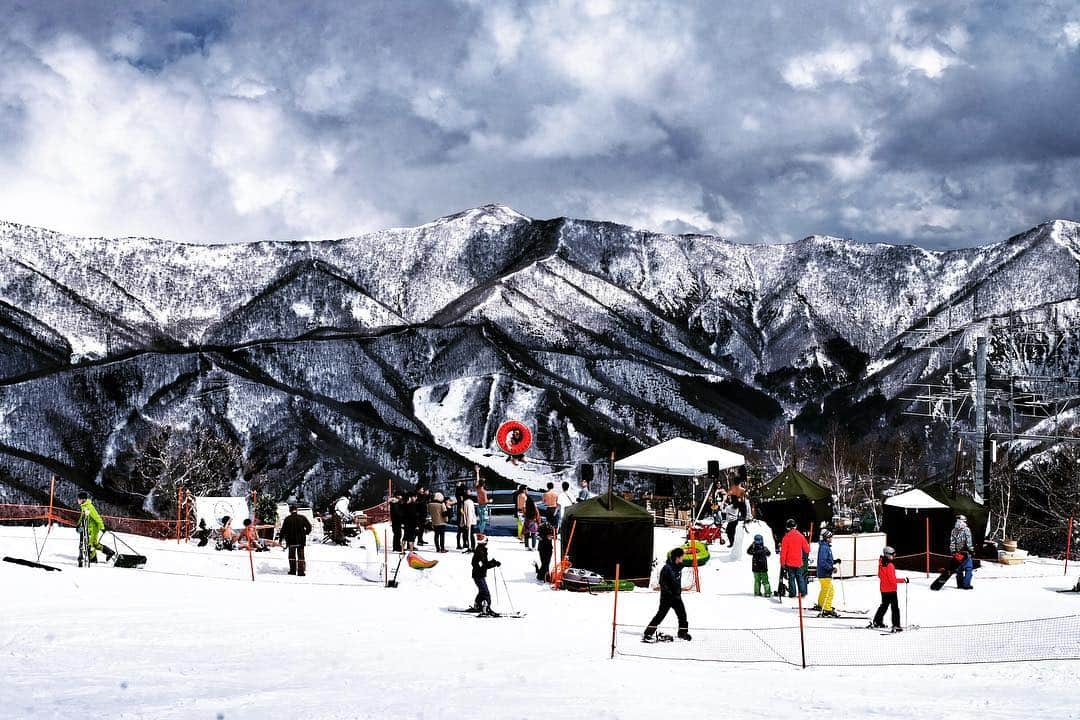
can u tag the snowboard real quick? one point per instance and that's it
(941, 579)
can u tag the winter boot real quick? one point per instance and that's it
(897, 629)
(876, 626)
(108, 552)
(829, 614)
(816, 608)
(683, 635)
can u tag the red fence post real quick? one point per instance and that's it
(179, 496)
(254, 534)
(802, 632)
(615, 611)
(928, 546)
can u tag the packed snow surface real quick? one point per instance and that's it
(191, 636)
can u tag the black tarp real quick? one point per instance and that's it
(792, 495)
(605, 536)
(905, 528)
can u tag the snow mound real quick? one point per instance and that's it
(744, 538)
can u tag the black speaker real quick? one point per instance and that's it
(585, 472)
(714, 469)
(742, 474)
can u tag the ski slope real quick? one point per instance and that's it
(191, 636)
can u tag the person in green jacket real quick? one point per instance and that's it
(91, 523)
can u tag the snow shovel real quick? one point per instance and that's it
(393, 583)
(125, 560)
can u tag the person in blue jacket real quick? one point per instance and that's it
(826, 564)
(670, 597)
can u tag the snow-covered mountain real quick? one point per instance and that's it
(338, 365)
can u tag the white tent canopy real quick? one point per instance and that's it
(680, 456)
(915, 500)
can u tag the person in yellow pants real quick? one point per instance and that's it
(826, 564)
(94, 526)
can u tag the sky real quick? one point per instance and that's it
(939, 124)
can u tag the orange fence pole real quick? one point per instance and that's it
(615, 611)
(250, 540)
(802, 632)
(1068, 545)
(179, 503)
(927, 547)
(693, 560)
(52, 492)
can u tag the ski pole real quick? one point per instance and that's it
(507, 589)
(907, 612)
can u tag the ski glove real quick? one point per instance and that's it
(496, 563)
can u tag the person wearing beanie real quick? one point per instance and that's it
(437, 510)
(670, 597)
(293, 535)
(961, 545)
(826, 563)
(887, 582)
(91, 526)
(794, 549)
(760, 566)
(480, 565)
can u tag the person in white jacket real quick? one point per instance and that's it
(564, 501)
(468, 522)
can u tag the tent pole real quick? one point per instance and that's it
(927, 546)
(611, 478)
(1068, 545)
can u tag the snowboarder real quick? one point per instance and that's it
(91, 524)
(547, 547)
(887, 582)
(760, 566)
(293, 534)
(825, 565)
(794, 549)
(480, 565)
(960, 545)
(670, 597)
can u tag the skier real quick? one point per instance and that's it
(480, 565)
(887, 582)
(825, 565)
(92, 525)
(547, 547)
(670, 597)
(960, 545)
(760, 566)
(794, 549)
(293, 534)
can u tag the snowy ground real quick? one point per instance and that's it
(166, 642)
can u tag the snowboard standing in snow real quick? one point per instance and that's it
(941, 579)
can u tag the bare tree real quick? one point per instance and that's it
(200, 461)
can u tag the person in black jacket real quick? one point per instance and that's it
(423, 497)
(670, 596)
(547, 547)
(293, 534)
(480, 566)
(397, 518)
(759, 565)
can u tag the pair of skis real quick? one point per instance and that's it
(477, 613)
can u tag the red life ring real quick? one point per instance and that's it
(520, 443)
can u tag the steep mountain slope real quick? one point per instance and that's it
(338, 365)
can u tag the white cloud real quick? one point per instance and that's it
(1071, 34)
(838, 63)
(924, 59)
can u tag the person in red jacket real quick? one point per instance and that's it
(888, 581)
(793, 553)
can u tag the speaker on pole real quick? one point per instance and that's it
(714, 469)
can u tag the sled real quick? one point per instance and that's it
(418, 562)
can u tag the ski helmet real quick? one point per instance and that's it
(790, 524)
(758, 539)
(826, 534)
(889, 551)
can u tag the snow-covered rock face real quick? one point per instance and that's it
(394, 355)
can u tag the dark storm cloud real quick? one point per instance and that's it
(946, 124)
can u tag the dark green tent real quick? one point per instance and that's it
(605, 536)
(793, 495)
(906, 527)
